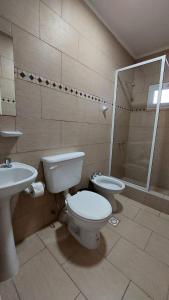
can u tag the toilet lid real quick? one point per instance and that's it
(90, 205)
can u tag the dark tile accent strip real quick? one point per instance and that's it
(37, 79)
(7, 100)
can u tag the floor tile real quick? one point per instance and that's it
(132, 231)
(126, 208)
(149, 274)
(28, 248)
(153, 222)
(108, 239)
(151, 210)
(159, 248)
(59, 242)
(133, 203)
(8, 291)
(164, 216)
(42, 278)
(134, 293)
(95, 276)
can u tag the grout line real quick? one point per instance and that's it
(50, 8)
(46, 246)
(114, 266)
(108, 78)
(153, 256)
(59, 50)
(74, 59)
(141, 249)
(62, 148)
(90, 40)
(82, 295)
(77, 296)
(141, 289)
(15, 287)
(126, 290)
(64, 270)
(130, 280)
(113, 245)
(146, 244)
(149, 227)
(129, 241)
(32, 257)
(139, 210)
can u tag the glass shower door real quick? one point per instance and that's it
(135, 122)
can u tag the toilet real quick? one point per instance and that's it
(107, 186)
(87, 212)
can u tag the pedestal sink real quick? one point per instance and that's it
(13, 180)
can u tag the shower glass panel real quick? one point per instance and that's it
(160, 169)
(134, 126)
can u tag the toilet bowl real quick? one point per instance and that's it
(87, 212)
(108, 186)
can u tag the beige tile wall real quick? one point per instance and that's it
(61, 40)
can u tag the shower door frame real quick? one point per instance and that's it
(163, 60)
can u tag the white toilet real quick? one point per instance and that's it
(108, 186)
(87, 211)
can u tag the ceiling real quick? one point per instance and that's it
(141, 26)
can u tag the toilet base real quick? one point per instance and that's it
(110, 197)
(87, 238)
(112, 201)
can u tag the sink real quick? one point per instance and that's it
(15, 179)
(12, 181)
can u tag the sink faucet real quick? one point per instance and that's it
(7, 163)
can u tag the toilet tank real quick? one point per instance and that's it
(63, 171)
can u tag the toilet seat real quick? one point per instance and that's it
(89, 205)
(109, 183)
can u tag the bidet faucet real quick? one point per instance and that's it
(95, 174)
(7, 163)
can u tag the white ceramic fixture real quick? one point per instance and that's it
(7, 133)
(108, 186)
(13, 180)
(87, 212)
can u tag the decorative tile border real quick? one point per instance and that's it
(37, 79)
(138, 109)
(7, 100)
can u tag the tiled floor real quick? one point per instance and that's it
(132, 262)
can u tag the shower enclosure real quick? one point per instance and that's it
(139, 138)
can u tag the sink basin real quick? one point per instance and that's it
(12, 181)
(15, 179)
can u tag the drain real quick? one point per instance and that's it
(51, 226)
(113, 221)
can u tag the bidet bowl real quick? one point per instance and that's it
(108, 186)
(12, 181)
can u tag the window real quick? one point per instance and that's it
(153, 95)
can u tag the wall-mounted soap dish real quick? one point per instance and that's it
(7, 133)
